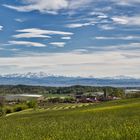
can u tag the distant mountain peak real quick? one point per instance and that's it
(43, 74)
(42, 78)
(28, 75)
(120, 77)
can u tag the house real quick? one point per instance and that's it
(88, 97)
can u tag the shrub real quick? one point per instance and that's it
(8, 110)
(55, 100)
(21, 107)
(32, 104)
(69, 100)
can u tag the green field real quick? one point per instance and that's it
(115, 120)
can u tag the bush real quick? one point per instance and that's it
(69, 100)
(32, 104)
(20, 108)
(8, 110)
(55, 100)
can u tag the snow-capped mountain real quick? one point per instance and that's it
(42, 78)
(120, 77)
(28, 75)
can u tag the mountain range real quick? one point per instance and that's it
(44, 79)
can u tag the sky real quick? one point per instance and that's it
(99, 38)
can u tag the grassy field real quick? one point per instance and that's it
(115, 120)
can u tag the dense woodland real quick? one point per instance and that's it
(20, 89)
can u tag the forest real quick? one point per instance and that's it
(77, 89)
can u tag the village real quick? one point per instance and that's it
(69, 98)
(17, 102)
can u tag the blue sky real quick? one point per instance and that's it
(66, 37)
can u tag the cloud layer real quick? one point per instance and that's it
(96, 64)
(47, 6)
(125, 20)
(39, 33)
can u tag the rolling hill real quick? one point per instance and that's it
(115, 120)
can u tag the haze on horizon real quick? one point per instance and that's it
(67, 37)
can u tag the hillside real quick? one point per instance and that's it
(115, 120)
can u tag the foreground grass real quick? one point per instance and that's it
(117, 120)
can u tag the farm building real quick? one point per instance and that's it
(89, 97)
(132, 91)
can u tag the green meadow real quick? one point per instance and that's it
(114, 120)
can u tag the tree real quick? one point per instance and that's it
(2, 102)
(32, 104)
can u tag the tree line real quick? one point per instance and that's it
(77, 89)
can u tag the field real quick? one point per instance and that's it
(114, 120)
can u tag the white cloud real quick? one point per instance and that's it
(66, 37)
(106, 27)
(96, 13)
(79, 25)
(8, 49)
(48, 6)
(104, 9)
(80, 51)
(120, 20)
(125, 20)
(19, 20)
(102, 16)
(126, 2)
(74, 4)
(30, 35)
(39, 33)
(96, 64)
(58, 44)
(41, 6)
(27, 43)
(120, 47)
(1, 27)
(117, 37)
